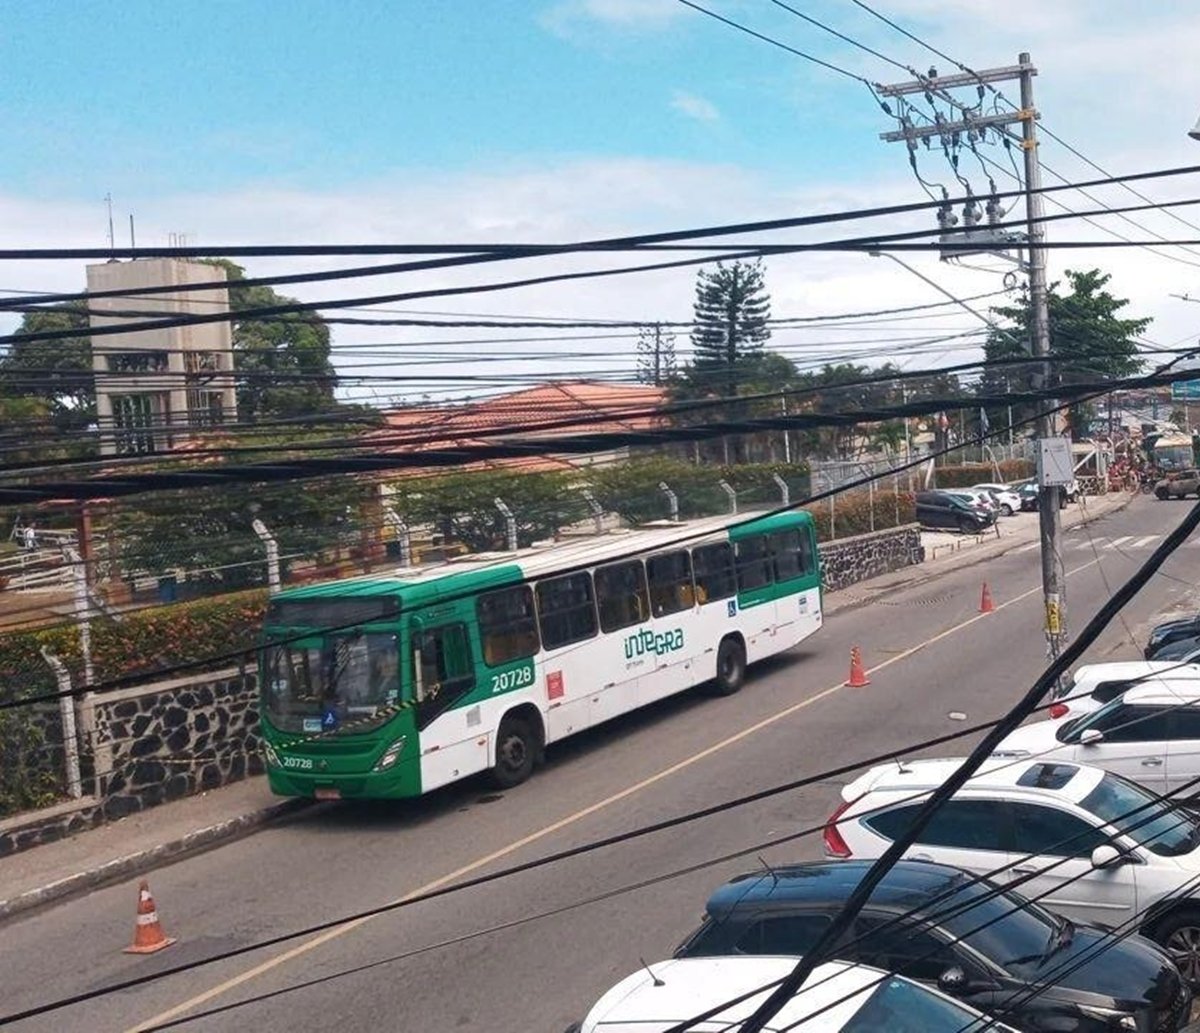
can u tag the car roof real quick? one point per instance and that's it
(1164, 690)
(685, 987)
(907, 884)
(1058, 780)
(1119, 670)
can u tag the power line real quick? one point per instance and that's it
(827, 940)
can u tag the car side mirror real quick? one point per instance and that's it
(952, 981)
(1107, 856)
(1091, 736)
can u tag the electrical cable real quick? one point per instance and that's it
(536, 863)
(830, 936)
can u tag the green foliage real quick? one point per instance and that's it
(211, 531)
(141, 641)
(632, 489)
(28, 776)
(1087, 335)
(462, 506)
(858, 513)
(283, 366)
(731, 310)
(966, 475)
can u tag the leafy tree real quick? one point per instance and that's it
(462, 506)
(49, 384)
(282, 365)
(1089, 340)
(731, 311)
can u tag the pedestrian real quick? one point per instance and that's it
(29, 535)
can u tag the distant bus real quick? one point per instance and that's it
(393, 685)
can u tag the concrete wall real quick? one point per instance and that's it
(146, 745)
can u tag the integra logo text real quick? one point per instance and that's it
(648, 642)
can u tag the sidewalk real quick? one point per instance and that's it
(137, 844)
(945, 550)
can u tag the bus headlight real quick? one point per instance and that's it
(391, 755)
(271, 756)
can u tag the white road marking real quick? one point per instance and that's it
(570, 819)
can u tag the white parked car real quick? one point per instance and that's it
(837, 998)
(1093, 685)
(1008, 500)
(1150, 733)
(1083, 842)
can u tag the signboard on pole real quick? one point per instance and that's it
(1186, 390)
(1054, 463)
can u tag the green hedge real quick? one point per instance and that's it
(983, 473)
(140, 642)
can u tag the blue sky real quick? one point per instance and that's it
(139, 97)
(552, 120)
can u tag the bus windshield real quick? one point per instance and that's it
(332, 684)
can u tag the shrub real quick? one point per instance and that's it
(856, 513)
(140, 642)
(983, 473)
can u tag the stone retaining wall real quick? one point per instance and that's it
(153, 743)
(844, 563)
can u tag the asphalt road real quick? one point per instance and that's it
(931, 655)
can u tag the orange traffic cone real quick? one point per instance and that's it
(858, 675)
(148, 935)
(985, 600)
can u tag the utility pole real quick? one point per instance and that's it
(974, 126)
(1039, 324)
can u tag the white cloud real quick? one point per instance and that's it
(694, 107)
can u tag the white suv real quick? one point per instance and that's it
(1093, 685)
(1081, 841)
(1150, 733)
(1008, 500)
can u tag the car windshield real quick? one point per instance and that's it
(1148, 820)
(900, 1006)
(332, 684)
(1004, 927)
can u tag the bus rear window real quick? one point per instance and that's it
(507, 625)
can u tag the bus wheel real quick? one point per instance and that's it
(516, 750)
(731, 666)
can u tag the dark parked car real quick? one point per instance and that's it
(950, 509)
(972, 939)
(1182, 650)
(1169, 632)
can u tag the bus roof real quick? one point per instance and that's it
(424, 585)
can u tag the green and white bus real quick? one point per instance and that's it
(393, 685)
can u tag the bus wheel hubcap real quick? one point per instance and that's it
(513, 751)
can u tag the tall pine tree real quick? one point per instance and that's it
(731, 311)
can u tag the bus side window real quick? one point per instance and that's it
(566, 610)
(670, 577)
(446, 669)
(753, 563)
(507, 625)
(714, 572)
(787, 554)
(621, 595)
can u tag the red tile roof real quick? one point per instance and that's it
(582, 406)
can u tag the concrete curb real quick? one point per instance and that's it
(142, 861)
(972, 558)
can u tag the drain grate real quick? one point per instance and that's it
(935, 599)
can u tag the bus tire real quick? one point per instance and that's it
(731, 666)
(516, 751)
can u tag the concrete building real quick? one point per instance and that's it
(155, 389)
